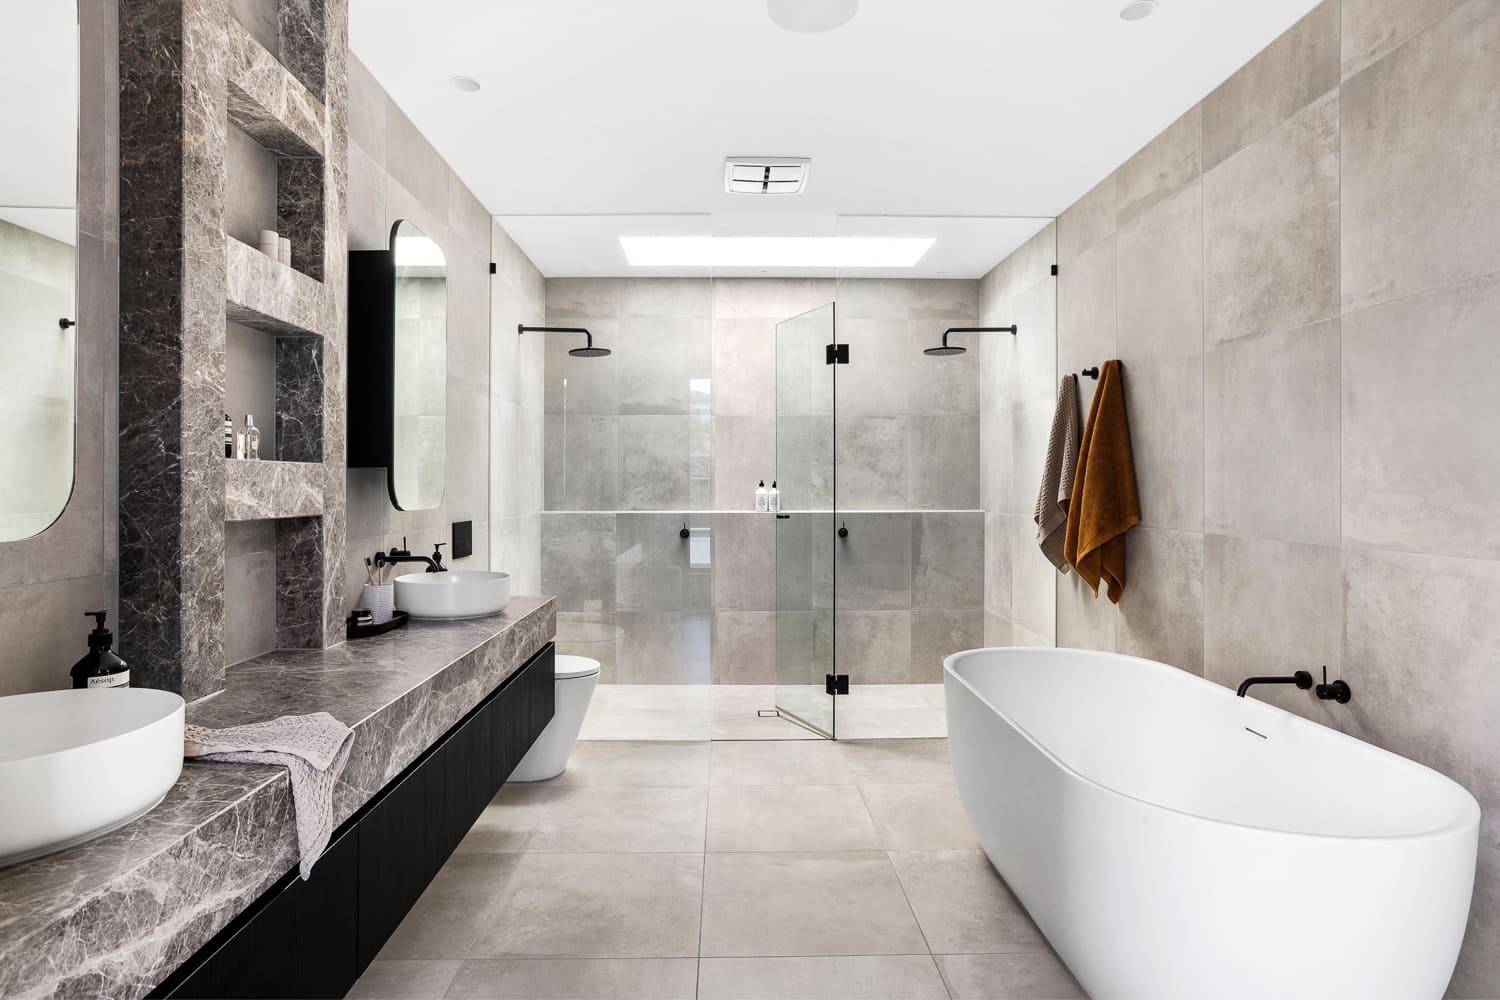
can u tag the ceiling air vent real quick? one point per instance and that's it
(766, 174)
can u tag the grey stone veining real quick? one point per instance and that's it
(272, 297)
(268, 103)
(299, 399)
(256, 491)
(115, 917)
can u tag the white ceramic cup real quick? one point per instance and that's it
(284, 250)
(380, 599)
(269, 244)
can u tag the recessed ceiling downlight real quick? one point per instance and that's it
(467, 84)
(1138, 10)
(812, 16)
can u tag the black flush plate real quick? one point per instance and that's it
(463, 539)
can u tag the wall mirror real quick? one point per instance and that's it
(38, 262)
(398, 365)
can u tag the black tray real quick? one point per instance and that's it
(353, 631)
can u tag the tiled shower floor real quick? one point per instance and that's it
(697, 712)
(798, 869)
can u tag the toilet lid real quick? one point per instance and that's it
(575, 666)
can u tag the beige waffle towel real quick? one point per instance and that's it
(1057, 475)
(314, 748)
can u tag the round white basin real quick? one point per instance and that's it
(77, 764)
(454, 594)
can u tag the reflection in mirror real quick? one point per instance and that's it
(38, 234)
(420, 437)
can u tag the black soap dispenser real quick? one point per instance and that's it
(101, 668)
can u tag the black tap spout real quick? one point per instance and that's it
(1301, 678)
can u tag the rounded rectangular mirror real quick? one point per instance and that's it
(419, 444)
(38, 262)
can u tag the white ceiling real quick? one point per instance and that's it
(970, 120)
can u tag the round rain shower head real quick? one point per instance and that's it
(945, 351)
(589, 352)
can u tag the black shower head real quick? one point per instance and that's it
(944, 351)
(588, 350)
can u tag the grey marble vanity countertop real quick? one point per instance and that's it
(115, 916)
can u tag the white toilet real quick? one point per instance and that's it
(577, 676)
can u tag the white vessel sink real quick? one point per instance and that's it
(77, 764)
(452, 594)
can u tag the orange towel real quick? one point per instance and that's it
(1105, 503)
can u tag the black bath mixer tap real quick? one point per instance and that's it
(1337, 691)
(403, 555)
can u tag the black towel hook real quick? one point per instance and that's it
(1092, 373)
(843, 530)
(684, 532)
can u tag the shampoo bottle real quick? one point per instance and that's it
(762, 498)
(101, 668)
(775, 498)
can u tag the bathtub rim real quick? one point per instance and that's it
(1467, 822)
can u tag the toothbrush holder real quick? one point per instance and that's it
(380, 598)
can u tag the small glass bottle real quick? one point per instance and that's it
(252, 438)
(228, 437)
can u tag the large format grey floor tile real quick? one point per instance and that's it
(572, 978)
(1033, 976)
(897, 762)
(919, 817)
(636, 763)
(788, 818)
(449, 914)
(404, 980)
(788, 762)
(962, 905)
(597, 906)
(861, 977)
(619, 818)
(846, 903)
(508, 821)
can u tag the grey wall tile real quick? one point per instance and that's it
(1273, 608)
(366, 109)
(1421, 162)
(940, 384)
(1419, 640)
(46, 632)
(1164, 408)
(666, 297)
(1479, 963)
(744, 366)
(746, 560)
(664, 647)
(654, 569)
(583, 462)
(366, 203)
(1271, 225)
(874, 647)
(873, 298)
(664, 364)
(744, 647)
(776, 298)
(744, 454)
(880, 356)
(1293, 71)
(937, 634)
(413, 163)
(578, 560)
(1271, 436)
(1165, 165)
(873, 564)
(1161, 281)
(654, 460)
(1421, 467)
(1087, 221)
(590, 634)
(1087, 308)
(249, 605)
(947, 560)
(954, 301)
(943, 461)
(1373, 28)
(871, 462)
(1161, 611)
(1083, 620)
(1033, 602)
(999, 545)
(581, 385)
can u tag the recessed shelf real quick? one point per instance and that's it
(268, 103)
(268, 295)
(263, 490)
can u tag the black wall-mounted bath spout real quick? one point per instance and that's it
(1301, 678)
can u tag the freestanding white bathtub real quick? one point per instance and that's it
(1174, 840)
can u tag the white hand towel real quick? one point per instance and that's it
(314, 748)
(1057, 475)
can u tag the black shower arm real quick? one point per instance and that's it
(523, 328)
(978, 329)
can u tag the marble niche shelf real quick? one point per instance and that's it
(272, 297)
(262, 490)
(268, 103)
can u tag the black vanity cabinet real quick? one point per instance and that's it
(315, 938)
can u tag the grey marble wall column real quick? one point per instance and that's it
(172, 341)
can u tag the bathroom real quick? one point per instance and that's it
(861, 737)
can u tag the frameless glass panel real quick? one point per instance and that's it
(419, 459)
(38, 262)
(805, 525)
